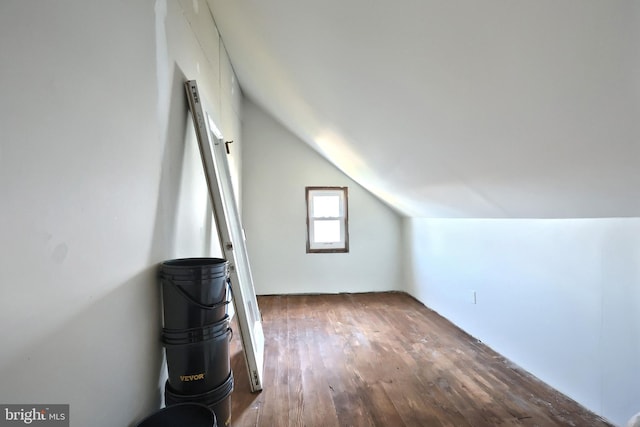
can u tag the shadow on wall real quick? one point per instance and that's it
(164, 244)
(173, 142)
(113, 344)
(163, 241)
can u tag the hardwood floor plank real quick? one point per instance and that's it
(383, 359)
(295, 389)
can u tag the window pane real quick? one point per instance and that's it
(327, 219)
(326, 231)
(326, 206)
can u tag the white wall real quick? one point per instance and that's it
(276, 168)
(100, 180)
(494, 108)
(561, 298)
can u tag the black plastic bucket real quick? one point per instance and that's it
(218, 399)
(192, 335)
(183, 414)
(195, 291)
(198, 361)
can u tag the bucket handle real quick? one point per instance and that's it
(228, 331)
(198, 303)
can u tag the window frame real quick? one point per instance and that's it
(332, 247)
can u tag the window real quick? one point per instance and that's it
(327, 219)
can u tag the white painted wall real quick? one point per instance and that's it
(276, 168)
(100, 180)
(495, 109)
(561, 298)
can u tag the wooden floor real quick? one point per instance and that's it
(385, 360)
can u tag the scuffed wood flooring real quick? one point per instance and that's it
(383, 359)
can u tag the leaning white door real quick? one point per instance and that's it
(231, 235)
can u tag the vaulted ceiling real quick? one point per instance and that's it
(463, 108)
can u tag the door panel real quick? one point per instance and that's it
(231, 236)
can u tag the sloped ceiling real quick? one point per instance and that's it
(463, 108)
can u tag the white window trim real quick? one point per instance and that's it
(332, 247)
